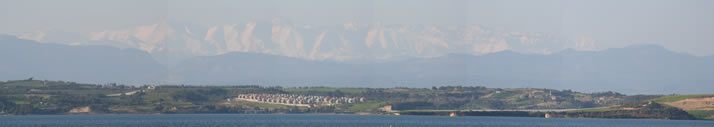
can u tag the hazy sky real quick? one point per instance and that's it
(679, 25)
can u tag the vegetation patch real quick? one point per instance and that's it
(59, 97)
(20, 102)
(344, 90)
(265, 105)
(502, 95)
(364, 107)
(702, 114)
(32, 83)
(680, 97)
(597, 109)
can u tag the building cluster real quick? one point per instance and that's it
(537, 94)
(291, 99)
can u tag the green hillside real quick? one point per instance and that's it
(59, 97)
(680, 97)
(703, 110)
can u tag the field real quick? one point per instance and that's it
(702, 114)
(364, 107)
(312, 90)
(59, 97)
(680, 97)
(700, 106)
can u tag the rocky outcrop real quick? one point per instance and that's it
(80, 110)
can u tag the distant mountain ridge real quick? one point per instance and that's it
(638, 69)
(22, 59)
(172, 42)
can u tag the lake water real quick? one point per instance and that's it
(324, 120)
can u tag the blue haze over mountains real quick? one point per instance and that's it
(22, 59)
(637, 69)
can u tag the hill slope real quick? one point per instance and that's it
(643, 69)
(24, 58)
(700, 106)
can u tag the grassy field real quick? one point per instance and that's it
(699, 114)
(364, 107)
(680, 97)
(502, 95)
(702, 114)
(265, 105)
(344, 90)
(21, 102)
(91, 91)
(33, 83)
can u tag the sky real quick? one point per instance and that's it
(678, 25)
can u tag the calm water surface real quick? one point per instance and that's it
(324, 120)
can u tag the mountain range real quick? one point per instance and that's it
(172, 42)
(22, 59)
(637, 69)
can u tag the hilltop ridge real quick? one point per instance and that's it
(59, 97)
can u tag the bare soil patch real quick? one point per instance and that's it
(694, 104)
